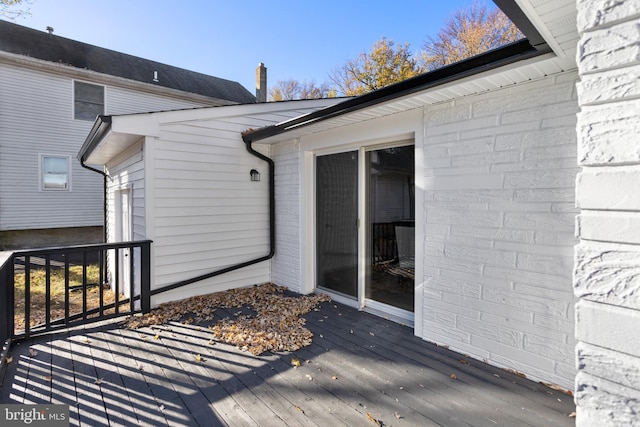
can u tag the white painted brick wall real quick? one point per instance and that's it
(286, 264)
(607, 260)
(500, 218)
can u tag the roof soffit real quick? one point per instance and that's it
(501, 78)
(555, 20)
(126, 130)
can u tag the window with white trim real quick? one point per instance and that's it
(88, 101)
(55, 173)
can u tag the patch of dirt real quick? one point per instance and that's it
(38, 306)
(276, 325)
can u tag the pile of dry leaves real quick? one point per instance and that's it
(276, 325)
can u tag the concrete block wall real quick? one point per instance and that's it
(499, 211)
(285, 265)
(607, 259)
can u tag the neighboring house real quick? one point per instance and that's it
(52, 89)
(447, 202)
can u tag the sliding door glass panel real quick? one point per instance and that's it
(391, 226)
(337, 222)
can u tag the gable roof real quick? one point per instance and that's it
(114, 134)
(20, 40)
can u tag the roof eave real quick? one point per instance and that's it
(100, 129)
(496, 58)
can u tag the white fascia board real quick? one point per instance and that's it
(530, 11)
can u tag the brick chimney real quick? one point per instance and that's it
(261, 83)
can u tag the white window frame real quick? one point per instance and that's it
(41, 174)
(73, 98)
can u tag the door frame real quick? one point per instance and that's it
(309, 233)
(124, 254)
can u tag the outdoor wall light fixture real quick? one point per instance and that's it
(255, 175)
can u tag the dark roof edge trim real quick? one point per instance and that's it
(518, 17)
(100, 128)
(490, 60)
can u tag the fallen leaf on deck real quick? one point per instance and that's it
(98, 381)
(87, 340)
(276, 326)
(454, 376)
(156, 337)
(199, 358)
(398, 416)
(513, 371)
(33, 352)
(572, 415)
(372, 334)
(295, 362)
(309, 377)
(373, 420)
(299, 409)
(334, 378)
(48, 377)
(8, 360)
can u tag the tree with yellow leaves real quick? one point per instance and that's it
(385, 64)
(287, 90)
(468, 32)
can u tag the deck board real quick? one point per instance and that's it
(358, 366)
(514, 394)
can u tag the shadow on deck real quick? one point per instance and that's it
(360, 370)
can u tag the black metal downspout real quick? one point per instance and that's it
(104, 197)
(100, 128)
(272, 234)
(272, 199)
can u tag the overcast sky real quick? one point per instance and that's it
(302, 40)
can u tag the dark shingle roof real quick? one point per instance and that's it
(41, 45)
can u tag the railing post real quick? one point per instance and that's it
(7, 301)
(145, 277)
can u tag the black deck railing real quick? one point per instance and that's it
(45, 289)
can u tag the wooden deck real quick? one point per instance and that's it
(359, 371)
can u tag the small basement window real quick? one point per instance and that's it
(88, 101)
(54, 173)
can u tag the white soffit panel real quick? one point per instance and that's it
(520, 72)
(555, 20)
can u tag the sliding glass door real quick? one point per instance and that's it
(384, 231)
(390, 227)
(337, 222)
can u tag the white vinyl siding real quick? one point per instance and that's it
(206, 212)
(126, 172)
(36, 116)
(125, 101)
